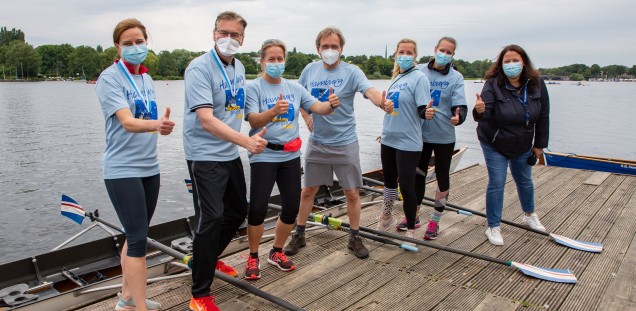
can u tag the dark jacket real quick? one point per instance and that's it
(503, 123)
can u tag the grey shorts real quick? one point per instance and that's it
(321, 161)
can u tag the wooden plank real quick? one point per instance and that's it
(621, 294)
(597, 178)
(496, 303)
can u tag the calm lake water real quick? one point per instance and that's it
(52, 139)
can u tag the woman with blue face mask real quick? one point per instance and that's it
(402, 135)
(131, 168)
(512, 112)
(274, 103)
(438, 130)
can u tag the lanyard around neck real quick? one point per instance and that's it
(524, 102)
(134, 85)
(232, 87)
(402, 76)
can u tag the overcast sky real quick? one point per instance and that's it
(554, 33)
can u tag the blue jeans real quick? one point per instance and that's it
(497, 165)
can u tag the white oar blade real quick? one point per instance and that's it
(580, 245)
(553, 275)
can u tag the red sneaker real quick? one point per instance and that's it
(227, 269)
(252, 269)
(281, 261)
(203, 304)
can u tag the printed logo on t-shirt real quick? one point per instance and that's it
(395, 97)
(235, 105)
(285, 120)
(435, 96)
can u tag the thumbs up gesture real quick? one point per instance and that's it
(256, 143)
(480, 107)
(455, 119)
(430, 111)
(334, 101)
(386, 104)
(165, 125)
(281, 106)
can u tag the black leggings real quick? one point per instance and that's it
(287, 177)
(134, 200)
(443, 156)
(400, 165)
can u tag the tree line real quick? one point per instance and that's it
(20, 60)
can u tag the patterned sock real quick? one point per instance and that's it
(436, 216)
(389, 197)
(300, 229)
(254, 255)
(440, 204)
(353, 232)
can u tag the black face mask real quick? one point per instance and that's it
(532, 159)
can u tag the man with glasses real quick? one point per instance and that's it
(213, 113)
(333, 144)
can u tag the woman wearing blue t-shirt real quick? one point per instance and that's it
(131, 168)
(402, 134)
(438, 130)
(274, 103)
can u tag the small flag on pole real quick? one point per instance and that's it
(188, 183)
(72, 209)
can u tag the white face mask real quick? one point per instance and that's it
(227, 46)
(330, 56)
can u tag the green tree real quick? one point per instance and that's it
(595, 71)
(24, 58)
(107, 57)
(576, 77)
(182, 58)
(251, 66)
(99, 49)
(296, 62)
(84, 62)
(614, 71)
(168, 65)
(631, 71)
(8, 36)
(54, 58)
(152, 63)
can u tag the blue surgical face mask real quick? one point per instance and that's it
(134, 54)
(442, 59)
(405, 61)
(274, 70)
(512, 69)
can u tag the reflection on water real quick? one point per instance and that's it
(52, 142)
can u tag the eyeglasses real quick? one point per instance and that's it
(233, 35)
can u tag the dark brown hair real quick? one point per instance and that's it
(527, 73)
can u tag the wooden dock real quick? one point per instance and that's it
(585, 205)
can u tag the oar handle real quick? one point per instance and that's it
(228, 279)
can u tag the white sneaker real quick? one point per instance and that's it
(494, 235)
(385, 222)
(533, 222)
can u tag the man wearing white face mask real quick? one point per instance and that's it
(213, 113)
(333, 144)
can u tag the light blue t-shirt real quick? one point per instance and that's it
(338, 128)
(402, 128)
(206, 87)
(262, 96)
(127, 154)
(447, 91)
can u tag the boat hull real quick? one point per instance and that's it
(609, 165)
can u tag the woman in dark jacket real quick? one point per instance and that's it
(512, 114)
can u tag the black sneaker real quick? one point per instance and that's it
(281, 261)
(355, 245)
(297, 242)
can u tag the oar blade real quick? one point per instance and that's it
(188, 184)
(410, 248)
(576, 244)
(553, 275)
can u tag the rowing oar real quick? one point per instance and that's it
(318, 221)
(565, 241)
(185, 258)
(548, 274)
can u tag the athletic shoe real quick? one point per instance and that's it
(227, 269)
(296, 243)
(410, 233)
(252, 269)
(281, 261)
(123, 305)
(402, 225)
(355, 245)
(431, 231)
(203, 304)
(494, 235)
(385, 222)
(533, 222)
